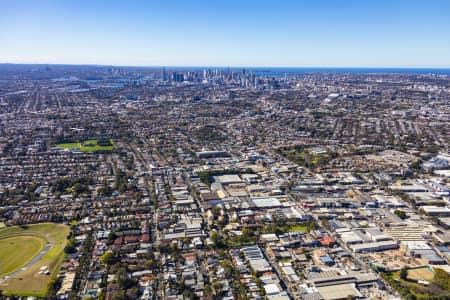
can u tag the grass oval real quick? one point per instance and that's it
(17, 251)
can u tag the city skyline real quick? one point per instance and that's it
(403, 34)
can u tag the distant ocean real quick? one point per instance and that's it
(280, 71)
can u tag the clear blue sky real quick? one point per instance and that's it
(334, 33)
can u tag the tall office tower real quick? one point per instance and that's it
(164, 75)
(177, 77)
(242, 82)
(253, 79)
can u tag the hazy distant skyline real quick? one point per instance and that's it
(227, 33)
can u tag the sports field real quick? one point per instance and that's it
(26, 251)
(17, 251)
(424, 273)
(88, 146)
(298, 227)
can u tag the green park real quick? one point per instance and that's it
(91, 145)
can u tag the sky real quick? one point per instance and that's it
(289, 33)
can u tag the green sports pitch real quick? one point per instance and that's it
(30, 256)
(89, 146)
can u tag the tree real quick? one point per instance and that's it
(217, 240)
(120, 295)
(111, 237)
(326, 223)
(410, 297)
(217, 286)
(216, 211)
(208, 292)
(214, 237)
(79, 188)
(51, 288)
(71, 246)
(247, 233)
(132, 293)
(442, 278)
(311, 225)
(417, 164)
(228, 267)
(105, 190)
(188, 294)
(404, 273)
(401, 214)
(107, 258)
(101, 295)
(61, 185)
(122, 279)
(150, 263)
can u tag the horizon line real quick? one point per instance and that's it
(231, 66)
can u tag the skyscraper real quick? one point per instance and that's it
(164, 76)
